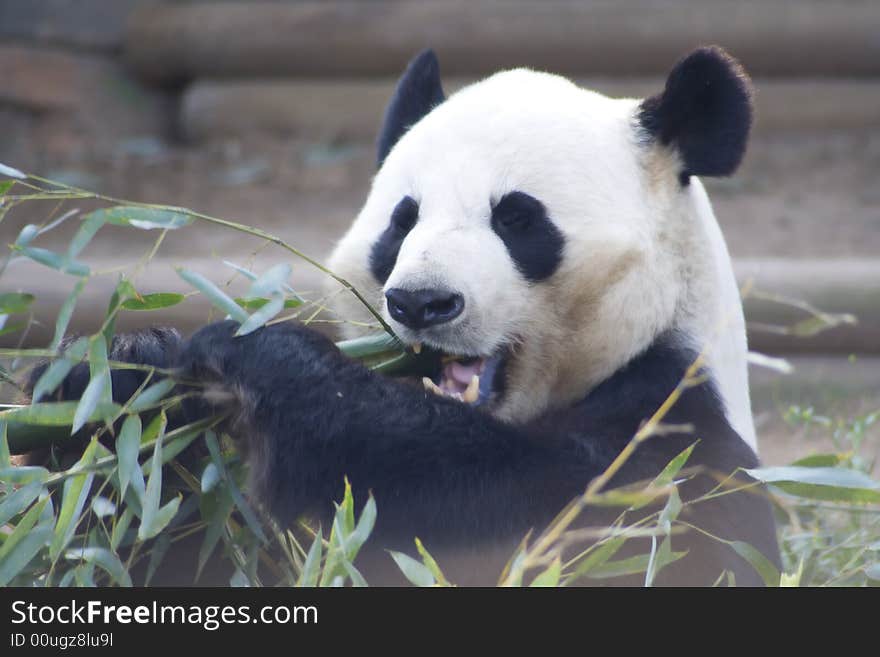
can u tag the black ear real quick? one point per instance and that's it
(705, 112)
(418, 92)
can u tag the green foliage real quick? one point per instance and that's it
(93, 516)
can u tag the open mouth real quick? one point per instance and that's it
(474, 380)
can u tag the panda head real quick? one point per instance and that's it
(540, 235)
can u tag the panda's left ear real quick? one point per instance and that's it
(705, 112)
(418, 92)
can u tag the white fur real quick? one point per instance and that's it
(641, 254)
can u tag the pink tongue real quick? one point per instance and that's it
(461, 373)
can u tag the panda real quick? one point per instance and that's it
(557, 252)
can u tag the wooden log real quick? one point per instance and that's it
(83, 25)
(352, 108)
(170, 42)
(839, 286)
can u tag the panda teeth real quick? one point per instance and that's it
(472, 392)
(430, 386)
(417, 348)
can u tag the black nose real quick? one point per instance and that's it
(423, 308)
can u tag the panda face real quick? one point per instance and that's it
(537, 234)
(495, 232)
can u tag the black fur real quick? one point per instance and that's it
(531, 238)
(454, 475)
(384, 252)
(705, 111)
(157, 347)
(418, 92)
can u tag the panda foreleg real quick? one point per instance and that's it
(310, 417)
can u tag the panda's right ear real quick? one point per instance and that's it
(705, 113)
(418, 92)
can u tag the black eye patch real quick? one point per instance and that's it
(383, 255)
(533, 241)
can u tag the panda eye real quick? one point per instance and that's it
(405, 214)
(516, 210)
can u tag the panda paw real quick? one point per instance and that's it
(281, 357)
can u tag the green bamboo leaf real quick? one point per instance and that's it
(822, 460)
(251, 276)
(24, 551)
(258, 302)
(355, 540)
(120, 527)
(151, 396)
(56, 261)
(5, 457)
(175, 444)
(431, 563)
(819, 323)
(271, 282)
(27, 234)
(823, 483)
(157, 554)
(149, 517)
(154, 429)
(659, 558)
(124, 290)
(261, 316)
(104, 559)
(76, 491)
(597, 557)
(550, 577)
(59, 369)
(128, 445)
(416, 572)
(85, 576)
(759, 562)
(670, 472)
(99, 365)
(216, 517)
(90, 226)
(22, 529)
(153, 301)
(54, 414)
(5, 186)
(23, 474)
(345, 511)
(65, 313)
(631, 566)
(144, 218)
(670, 511)
(214, 294)
(357, 579)
(11, 172)
(161, 518)
(210, 477)
(95, 391)
(246, 511)
(312, 567)
(15, 302)
(247, 273)
(18, 500)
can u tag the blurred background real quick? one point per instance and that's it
(265, 113)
